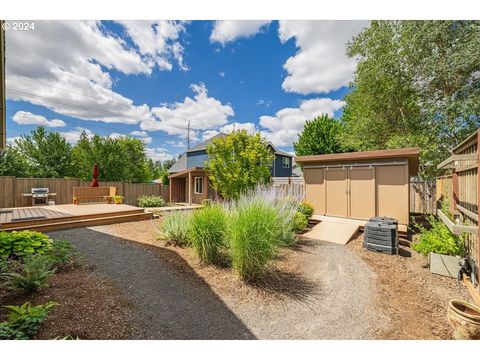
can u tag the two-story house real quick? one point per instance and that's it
(188, 179)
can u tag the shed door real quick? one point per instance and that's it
(392, 192)
(315, 189)
(337, 192)
(362, 192)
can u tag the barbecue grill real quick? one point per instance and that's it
(40, 196)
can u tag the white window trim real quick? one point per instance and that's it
(283, 162)
(195, 185)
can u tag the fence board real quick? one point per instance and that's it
(422, 197)
(7, 190)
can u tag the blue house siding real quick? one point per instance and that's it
(279, 170)
(196, 159)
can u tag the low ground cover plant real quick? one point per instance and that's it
(176, 227)
(208, 231)
(299, 222)
(24, 321)
(438, 239)
(34, 275)
(22, 243)
(64, 255)
(306, 209)
(150, 201)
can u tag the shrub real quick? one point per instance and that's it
(299, 222)
(64, 255)
(306, 209)
(438, 239)
(23, 243)
(175, 227)
(23, 321)
(255, 233)
(208, 229)
(33, 277)
(150, 201)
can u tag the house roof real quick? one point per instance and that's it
(278, 151)
(186, 171)
(410, 153)
(203, 145)
(180, 165)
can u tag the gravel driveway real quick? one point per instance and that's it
(331, 296)
(170, 307)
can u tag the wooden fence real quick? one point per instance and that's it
(12, 188)
(422, 197)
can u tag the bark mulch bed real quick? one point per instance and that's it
(414, 299)
(91, 307)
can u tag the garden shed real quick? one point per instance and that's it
(361, 185)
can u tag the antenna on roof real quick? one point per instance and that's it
(188, 135)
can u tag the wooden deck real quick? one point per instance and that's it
(56, 217)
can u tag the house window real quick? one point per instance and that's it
(285, 162)
(199, 185)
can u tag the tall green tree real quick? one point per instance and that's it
(416, 84)
(118, 159)
(237, 163)
(13, 163)
(320, 136)
(47, 153)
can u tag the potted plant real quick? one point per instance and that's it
(443, 248)
(118, 199)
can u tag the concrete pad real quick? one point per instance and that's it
(334, 230)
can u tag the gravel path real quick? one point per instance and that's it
(340, 306)
(171, 306)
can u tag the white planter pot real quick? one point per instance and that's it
(445, 265)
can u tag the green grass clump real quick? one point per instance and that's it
(176, 227)
(150, 201)
(438, 239)
(208, 230)
(255, 234)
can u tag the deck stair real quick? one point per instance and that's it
(74, 220)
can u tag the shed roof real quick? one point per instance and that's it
(409, 153)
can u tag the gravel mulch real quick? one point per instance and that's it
(414, 299)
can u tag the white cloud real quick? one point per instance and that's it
(147, 139)
(250, 127)
(73, 79)
(73, 136)
(27, 118)
(159, 154)
(202, 111)
(321, 64)
(157, 41)
(178, 144)
(283, 128)
(225, 31)
(221, 74)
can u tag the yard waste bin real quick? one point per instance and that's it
(381, 234)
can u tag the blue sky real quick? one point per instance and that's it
(148, 79)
